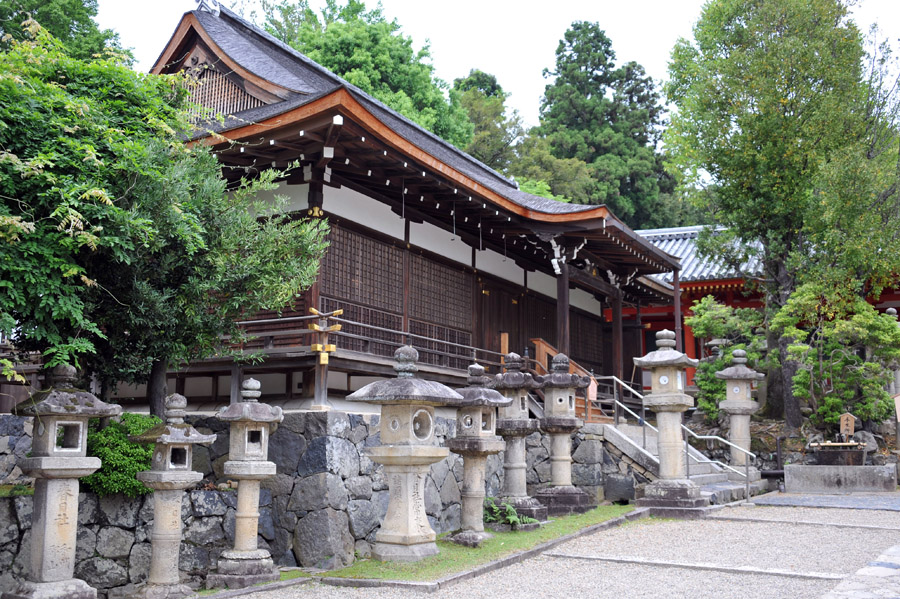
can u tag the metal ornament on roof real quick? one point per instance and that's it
(210, 6)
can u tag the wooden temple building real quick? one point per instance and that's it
(428, 246)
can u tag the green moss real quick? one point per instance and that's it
(15, 490)
(455, 558)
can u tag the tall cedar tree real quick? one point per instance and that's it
(606, 116)
(775, 111)
(119, 248)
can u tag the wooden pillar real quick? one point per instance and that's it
(562, 310)
(407, 269)
(679, 346)
(618, 337)
(236, 376)
(214, 388)
(316, 199)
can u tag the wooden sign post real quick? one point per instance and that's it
(847, 426)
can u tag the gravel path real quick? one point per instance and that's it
(887, 519)
(778, 544)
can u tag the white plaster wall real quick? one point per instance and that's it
(429, 237)
(292, 197)
(538, 281)
(584, 300)
(370, 213)
(491, 262)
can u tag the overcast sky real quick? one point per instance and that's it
(514, 40)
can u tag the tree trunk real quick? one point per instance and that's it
(157, 388)
(792, 416)
(784, 287)
(774, 380)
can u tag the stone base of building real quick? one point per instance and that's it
(389, 552)
(164, 591)
(64, 589)
(527, 506)
(674, 499)
(240, 569)
(562, 501)
(470, 538)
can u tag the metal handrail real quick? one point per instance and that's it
(686, 432)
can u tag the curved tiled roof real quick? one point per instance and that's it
(275, 61)
(681, 242)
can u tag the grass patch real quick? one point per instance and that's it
(15, 490)
(455, 558)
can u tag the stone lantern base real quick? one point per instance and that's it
(562, 501)
(164, 591)
(240, 569)
(674, 499)
(470, 538)
(528, 506)
(63, 589)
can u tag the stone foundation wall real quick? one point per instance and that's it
(321, 509)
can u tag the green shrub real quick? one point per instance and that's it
(504, 513)
(121, 458)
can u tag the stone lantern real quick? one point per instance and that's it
(475, 440)
(739, 405)
(514, 424)
(251, 425)
(673, 494)
(407, 433)
(560, 422)
(169, 475)
(58, 459)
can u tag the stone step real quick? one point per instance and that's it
(726, 492)
(705, 479)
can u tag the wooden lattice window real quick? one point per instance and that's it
(440, 294)
(364, 271)
(218, 94)
(587, 340)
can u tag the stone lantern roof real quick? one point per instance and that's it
(175, 431)
(738, 371)
(62, 399)
(514, 377)
(249, 409)
(478, 393)
(666, 355)
(561, 378)
(406, 389)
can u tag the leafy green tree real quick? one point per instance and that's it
(605, 115)
(736, 328)
(70, 21)
(369, 51)
(776, 111)
(566, 177)
(121, 248)
(495, 134)
(846, 351)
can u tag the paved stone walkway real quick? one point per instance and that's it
(750, 552)
(852, 501)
